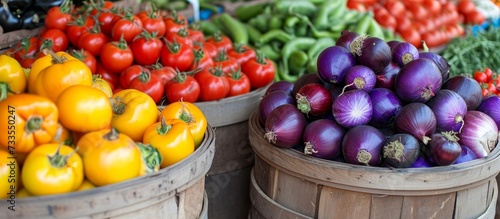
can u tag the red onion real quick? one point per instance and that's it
(305, 79)
(466, 155)
(285, 126)
(480, 133)
(401, 150)
(418, 81)
(285, 86)
(444, 148)
(352, 108)
(323, 139)
(386, 105)
(421, 162)
(466, 87)
(386, 77)
(403, 53)
(371, 52)
(360, 77)
(333, 64)
(392, 43)
(346, 38)
(314, 100)
(363, 145)
(416, 119)
(491, 106)
(269, 102)
(440, 62)
(449, 109)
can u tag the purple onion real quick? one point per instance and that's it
(444, 148)
(418, 81)
(386, 105)
(362, 145)
(323, 139)
(421, 162)
(449, 109)
(304, 80)
(416, 119)
(285, 126)
(387, 77)
(403, 53)
(401, 150)
(371, 52)
(333, 64)
(352, 108)
(360, 77)
(314, 100)
(440, 62)
(491, 106)
(479, 133)
(269, 102)
(466, 155)
(346, 39)
(285, 86)
(392, 43)
(468, 88)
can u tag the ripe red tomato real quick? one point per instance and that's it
(92, 41)
(86, 57)
(213, 84)
(58, 17)
(182, 87)
(112, 79)
(128, 28)
(174, 22)
(489, 73)
(150, 84)
(480, 77)
(412, 36)
(466, 6)
(130, 73)
(54, 39)
(146, 49)
(180, 36)
(210, 48)
(102, 5)
(239, 83)
(201, 60)
(433, 6)
(220, 41)
(28, 47)
(153, 22)
(195, 35)
(474, 17)
(116, 56)
(76, 28)
(165, 73)
(241, 53)
(396, 8)
(260, 71)
(227, 63)
(27, 61)
(106, 20)
(177, 55)
(385, 18)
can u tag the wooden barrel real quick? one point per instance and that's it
(299, 186)
(176, 192)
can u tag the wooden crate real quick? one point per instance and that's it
(316, 188)
(176, 192)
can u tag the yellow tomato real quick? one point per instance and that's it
(172, 138)
(9, 172)
(23, 193)
(109, 157)
(103, 85)
(133, 112)
(54, 79)
(39, 65)
(86, 185)
(12, 77)
(52, 169)
(190, 114)
(84, 109)
(63, 135)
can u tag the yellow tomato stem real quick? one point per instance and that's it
(56, 59)
(111, 135)
(4, 89)
(186, 115)
(33, 124)
(163, 128)
(151, 156)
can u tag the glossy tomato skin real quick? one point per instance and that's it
(57, 38)
(9, 180)
(153, 22)
(220, 41)
(187, 89)
(86, 57)
(92, 42)
(146, 49)
(177, 55)
(150, 84)
(130, 73)
(58, 17)
(116, 56)
(174, 22)
(165, 73)
(28, 47)
(227, 63)
(76, 28)
(241, 53)
(239, 84)
(112, 79)
(106, 21)
(260, 71)
(126, 27)
(213, 84)
(201, 60)
(181, 36)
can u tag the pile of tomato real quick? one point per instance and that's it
(153, 51)
(63, 131)
(489, 81)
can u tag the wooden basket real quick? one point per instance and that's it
(316, 188)
(175, 192)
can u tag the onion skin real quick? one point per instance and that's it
(335, 91)
(491, 106)
(269, 102)
(468, 88)
(352, 108)
(386, 105)
(392, 43)
(480, 133)
(323, 139)
(449, 109)
(285, 86)
(304, 80)
(285, 126)
(314, 100)
(333, 64)
(440, 62)
(360, 77)
(403, 53)
(371, 52)
(418, 81)
(387, 77)
(466, 155)
(421, 162)
(401, 150)
(416, 119)
(346, 39)
(362, 145)
(444, 148)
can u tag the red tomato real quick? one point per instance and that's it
(28, 47)
(195, 35)
(260, 71)
(180, 36)
(418, 11)
(54, 39)
(174, 22)
(76, 28)
(489, 73)
(182, 87)
(146, 49)
(177, 55)
(412, 36)
(103, 5)
(480, 77)
(211, 49)
(492, 88)
(27, 61)
(86, 58)
(128, 28)
(201, 60)
(241, 53)
(106, 20)
(433, 6)
(396, 8)
(112, 79)
(165, 73)
(213, 84)
(474, 17)
(432, 39)
(130, 73)
(220, 41)
(227, 63)
(92, 41)
(150, 84)
(58, 17)
(239, 83)
(466, 6)
(116, 56)
(153, 22)
(403, 23)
